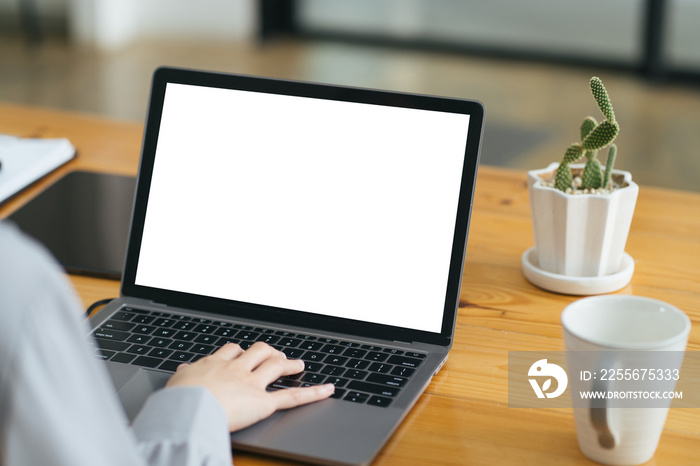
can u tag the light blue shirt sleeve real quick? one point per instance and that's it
(57, 403)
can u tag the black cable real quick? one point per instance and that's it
(96, 304)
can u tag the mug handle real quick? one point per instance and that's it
(600, 413)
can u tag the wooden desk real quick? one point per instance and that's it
(463, 418)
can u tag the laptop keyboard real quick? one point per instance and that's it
(361, 373)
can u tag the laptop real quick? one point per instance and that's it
(330, 222)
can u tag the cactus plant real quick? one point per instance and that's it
(594, 136)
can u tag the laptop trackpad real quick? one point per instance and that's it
(133, 394)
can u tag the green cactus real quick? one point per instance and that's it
(563, 176)
(587, 126)
(594, 136)
(612, 152)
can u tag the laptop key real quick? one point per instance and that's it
(376, 356)
(355, 374)
(206, 339)
(138, 349)
(404, 361)
(337, 381)
(380, 367)
(403, 371)
(269, 339)
(181, 356)
(333, 349)
(311, 345)
(109, 334)
(123, 357)
(289, 342)
(160, 342)
(375, 389)
(328, 341)
(118, 325)
(379, 401)
(335, 360)
(312, 356)
(222, 341)
(356, 397)
(180, 345)
(112, 345)
(104, 354)
(202, 349)
(333, 370)
(140, 339)
(390, 380)
(293, 353)
(147, 361)
(312, 366)
(313, 378)
(225, 332)
(123, 315)
(160, 353)
(186, 325)
(204, 328)
(354, 353)
(372, 348)
(357, 364)
(188, 336)
(339, 393)
(415, 355)
(284, 383)
(143, 329)
(170, 366)
(162, 322)
(143, 319)
(164, 332)
(247, 335)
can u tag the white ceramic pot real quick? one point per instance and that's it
(581, 235)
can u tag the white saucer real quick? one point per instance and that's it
(576, 285)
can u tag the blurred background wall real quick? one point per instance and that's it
(600, 31)
(113, 24)
(529, 62)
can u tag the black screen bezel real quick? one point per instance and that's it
(233, 309)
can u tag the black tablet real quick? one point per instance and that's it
(83, 219)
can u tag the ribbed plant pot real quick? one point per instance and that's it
(580, 235)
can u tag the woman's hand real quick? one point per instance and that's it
(238, 379)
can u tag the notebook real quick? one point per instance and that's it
(330, 222)
(23, 161)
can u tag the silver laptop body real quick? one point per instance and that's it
(328, 221)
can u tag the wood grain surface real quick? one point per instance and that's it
(463, 418)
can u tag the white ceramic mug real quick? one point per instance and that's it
(620, 331)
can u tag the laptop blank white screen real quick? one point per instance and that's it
(328, 207)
